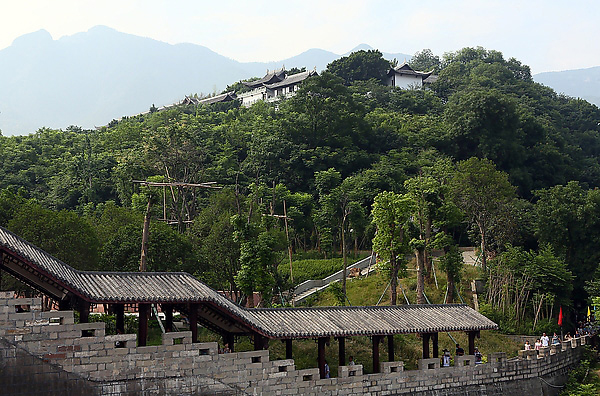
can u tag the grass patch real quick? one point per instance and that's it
(312, 268)
(368, 290)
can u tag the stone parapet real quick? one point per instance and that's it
(64, 355)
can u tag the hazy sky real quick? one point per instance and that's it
(546, 35)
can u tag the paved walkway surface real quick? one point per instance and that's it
(310, 287)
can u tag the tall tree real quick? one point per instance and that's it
(339, 207)
(391, 213)
(424, 192)
(483, 194)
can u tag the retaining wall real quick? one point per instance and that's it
(46, 353)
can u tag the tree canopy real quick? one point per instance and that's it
(490, 156)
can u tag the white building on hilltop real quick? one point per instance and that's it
(403, 76)
(273, 86)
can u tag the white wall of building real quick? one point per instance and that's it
(405, 81)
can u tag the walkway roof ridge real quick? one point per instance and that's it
(356, 307)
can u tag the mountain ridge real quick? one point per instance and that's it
(91, 77)
(580, 83)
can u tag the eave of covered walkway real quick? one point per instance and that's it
(74, 289)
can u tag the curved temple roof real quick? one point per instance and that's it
(53, 277)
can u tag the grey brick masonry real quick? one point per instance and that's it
(46, 353)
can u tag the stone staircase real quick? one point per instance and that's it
(310, 287)
(470, 256)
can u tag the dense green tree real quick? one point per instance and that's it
(259, 258)
(219, 253)
(484, 123)
(325, 127)
(424, 193)
(9, 204)
(63, 234)
(567, 218)
(425, 60)
(339, 209)
(391, 213)
(522, 282)
(483, 194)
(168, 250)
(360, 65)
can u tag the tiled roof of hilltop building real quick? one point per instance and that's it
(269, 78)
(225, 97)
(45, 272)
(293, 79)
(405, 68)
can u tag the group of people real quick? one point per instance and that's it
(447, 358)
(589, 327)
(544, 342)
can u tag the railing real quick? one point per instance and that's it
(321, 283)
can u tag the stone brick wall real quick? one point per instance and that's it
(45, 352)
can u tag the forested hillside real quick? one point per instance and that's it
(485, 157)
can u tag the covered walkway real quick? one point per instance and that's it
(75, 289)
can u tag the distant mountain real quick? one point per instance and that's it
(581, 83)
(90, 78)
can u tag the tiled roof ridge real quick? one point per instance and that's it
(36, 248)
(303, 322)
(357, 307)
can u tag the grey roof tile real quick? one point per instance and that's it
(175, 287)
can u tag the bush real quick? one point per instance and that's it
(582, 379)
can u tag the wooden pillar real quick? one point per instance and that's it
(168, 311)
(119, 318)
(260, 342)
(64, 305)
(84, 312)
(143, 314)
(376, 340)
(342, 350)
(434, 338)
(288, 349)
(390, 347)
(321, 356)
(425, 337)
(472, 335)
(193, 318)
